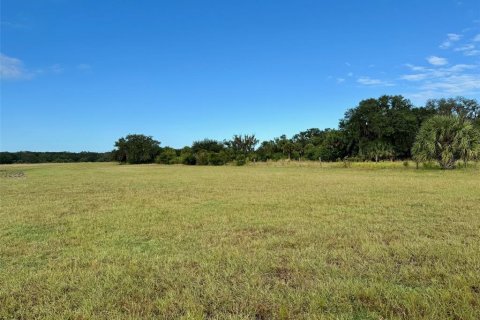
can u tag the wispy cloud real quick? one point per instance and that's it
(455, 84)
(466, 47)
(13, 25)
(56, 69)
(460, 67)
(415, 77)
(436, 76)
(437, 61)
(469, 48)
(367, 81)
(440, 77)
(84, 67)
(13, 69)
(437, 81)
(472, 53)
(451, 38)
(463, 84)
(414, 67)
(432, 73)
(53, 69)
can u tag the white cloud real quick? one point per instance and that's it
(455, 84)
(340, 80)
(350, 74)
(415, 68)
(446, 44)
(472, 53)
(367, 81)
(466, 47)
(12, 69)
(451, 38)
(476, 38)
(438, 81)
(460, 67)
(437, 61)
(415, 77)
(468, 50)
(438, 73)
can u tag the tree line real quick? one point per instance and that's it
(58, 157)
(390, 127)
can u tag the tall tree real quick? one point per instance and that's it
(208, 145)
(242, 144)
(136, 148)
(390, 121)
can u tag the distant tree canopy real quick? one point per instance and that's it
(386, 128)
(136, 148)
(45, 157)
(383, 127)
(207, 145)
(242, 145)
(465, 109)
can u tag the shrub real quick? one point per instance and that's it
(240, 160)
(167, 156)
(216, 159)
(202, 158)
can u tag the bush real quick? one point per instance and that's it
(216, 159)
(167, 156)
(346, 162)
(429, 165)
(202, 158)
(188, 159)
(240, 160)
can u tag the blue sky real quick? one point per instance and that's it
(77, 75)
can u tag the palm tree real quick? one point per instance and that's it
(446, 139)
(468, 143)
(379, 150)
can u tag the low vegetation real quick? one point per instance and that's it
(273, 240)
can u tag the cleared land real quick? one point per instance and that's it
(86, 241)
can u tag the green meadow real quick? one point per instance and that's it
(263, 241)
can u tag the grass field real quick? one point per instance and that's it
(105, 241)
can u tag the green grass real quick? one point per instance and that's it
(269, 241)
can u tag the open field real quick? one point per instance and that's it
(105, 241)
